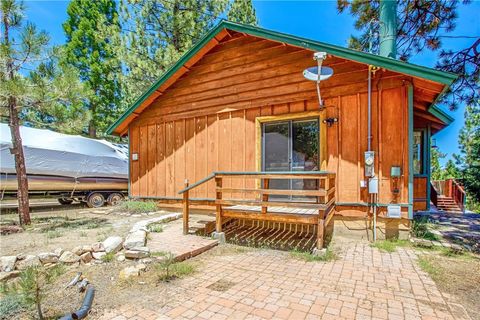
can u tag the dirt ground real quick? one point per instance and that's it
(458, 276)
(63, 227)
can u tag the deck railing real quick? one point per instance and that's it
(451, 188)
(321, 200)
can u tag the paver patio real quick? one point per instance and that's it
(363, 283)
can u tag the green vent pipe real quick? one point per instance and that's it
(388, 28)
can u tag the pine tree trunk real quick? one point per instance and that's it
(17, 147)
(17, 151)
(92, 131)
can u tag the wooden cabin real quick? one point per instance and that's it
(236, 118)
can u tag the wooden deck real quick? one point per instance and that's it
(260, 207)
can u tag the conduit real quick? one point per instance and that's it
(85, 308)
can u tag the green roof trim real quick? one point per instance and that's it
(440, 114)
(445, 78)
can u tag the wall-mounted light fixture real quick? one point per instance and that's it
(330, 121)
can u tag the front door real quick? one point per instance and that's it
(291, 145)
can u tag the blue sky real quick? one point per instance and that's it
(316, 20)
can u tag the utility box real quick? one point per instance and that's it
(394, 211)
(369, 163)
(373, 185)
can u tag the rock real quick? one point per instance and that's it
(21, 256)
(137, 253)
(4, 276)
(113, 244)
(147, 261)
(98, 247)
(86, 257)
(129, 272)
(29, 261)
(7, 263)
(141, 267)
(135, 239)
(69, 257)
(120, 257)
(48, 257)
(87, 248)
(58, 252)
(78, 250)
(99, 255)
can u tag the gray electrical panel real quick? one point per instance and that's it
(373, 185)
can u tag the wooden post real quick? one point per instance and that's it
(186, 209)
(218, 182)
(321, 229)
(265, 186)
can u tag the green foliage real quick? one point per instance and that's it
(11, 305)
(46, 93)
(157, 32)
(469, 159)
(90, 28)
(420, 229)
(242, 11)
(33, 282)
(139, 206)
(155, 227)
(427, 266)
(420, 26)
(436, 168)
(108, 257)
(390, 245)
(329, 255)
(167, 269)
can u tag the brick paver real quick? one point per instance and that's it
(363, 283)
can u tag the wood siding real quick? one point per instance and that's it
(206, 120)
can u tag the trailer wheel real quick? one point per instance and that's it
(65, 201)
(95, 200)
(114, 198)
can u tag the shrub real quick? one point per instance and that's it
(139, 206)
(11, 305)
(168, 269)
(420, 229)
(108, 257)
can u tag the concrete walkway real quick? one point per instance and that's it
(363, 283)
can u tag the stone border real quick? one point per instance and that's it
(134, 247)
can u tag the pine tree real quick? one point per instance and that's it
(469, 159)
(420, 25)
(28, 84)
(436, 168)
(90, 29)
(450, 171)
(242, 11)
(156, 33)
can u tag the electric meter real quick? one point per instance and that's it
(369, 163)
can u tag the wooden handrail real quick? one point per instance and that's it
(196, 184)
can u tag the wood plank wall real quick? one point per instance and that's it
(206, 121)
